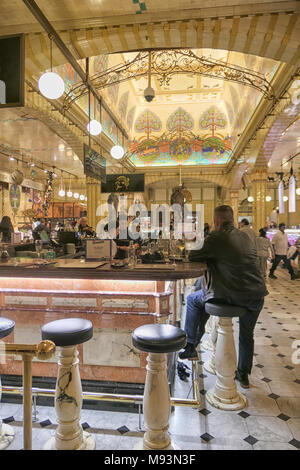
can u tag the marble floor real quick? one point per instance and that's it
(271, 420)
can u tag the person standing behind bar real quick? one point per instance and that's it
(264, 250)
(6, 228)
(280, 244)
(232, 277)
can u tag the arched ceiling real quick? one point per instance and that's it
(260, 36)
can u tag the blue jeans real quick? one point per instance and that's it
(196, 318)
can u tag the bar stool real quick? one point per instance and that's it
(224, 394)
(6, 431)
(210, 364)
(66, 334)
(157, 340)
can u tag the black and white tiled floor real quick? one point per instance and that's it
(271, 420)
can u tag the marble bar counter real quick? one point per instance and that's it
(115, 300)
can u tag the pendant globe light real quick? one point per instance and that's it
(50, 84)
(117, 151)
(94, 127)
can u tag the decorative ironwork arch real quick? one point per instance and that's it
(167, 63)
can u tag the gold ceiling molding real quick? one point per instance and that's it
(120, 13)
(165, 64)
(277, 33)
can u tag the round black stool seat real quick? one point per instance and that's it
(68, 332)
(6, 326)
(224, 310)
(158, 338)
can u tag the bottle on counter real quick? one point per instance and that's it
(131, 255)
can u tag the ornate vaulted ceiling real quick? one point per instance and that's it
(193, 119)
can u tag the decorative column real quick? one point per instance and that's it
(234, 202)
(93, 200)
(259, 190)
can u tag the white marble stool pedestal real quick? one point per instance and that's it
(69, 434)
(210, 365)
(6, 432)
(207, 343)
(157, 340)
(224, 394)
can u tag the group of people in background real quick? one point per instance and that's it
(277, 250)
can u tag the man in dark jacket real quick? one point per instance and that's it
(233, 276)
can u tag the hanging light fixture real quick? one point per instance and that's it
(50, 84)
(285, 198)
(61, 191)
(81, 197)
(268, 198)
(292, 191)
(117, 151)
(94, 127)
(69, 193)
(76, 195)
(250, 198)
(298, 191)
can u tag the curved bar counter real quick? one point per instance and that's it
(115, 300)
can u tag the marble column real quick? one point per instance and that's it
(93, 200)
(259, 179)
(234, 202)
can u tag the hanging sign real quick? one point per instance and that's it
(127, 183)
(280, 197)
(292, 194)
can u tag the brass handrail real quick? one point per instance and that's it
(111, 397)
(43, 351)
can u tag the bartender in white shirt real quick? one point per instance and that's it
(280, 245)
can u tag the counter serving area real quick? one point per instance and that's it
(115, 299)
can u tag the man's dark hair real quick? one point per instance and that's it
(282, 224)
(245, 221)
(225, 213)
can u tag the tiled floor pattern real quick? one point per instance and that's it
(271, 420)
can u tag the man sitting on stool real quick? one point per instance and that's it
(233, 277)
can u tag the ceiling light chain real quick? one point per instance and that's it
(50, 84)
